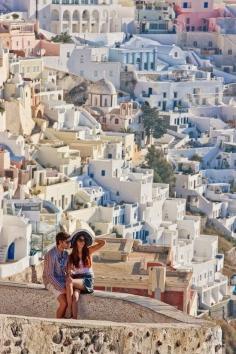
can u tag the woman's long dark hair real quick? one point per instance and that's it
(74, 258)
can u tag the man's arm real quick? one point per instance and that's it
(49, 263)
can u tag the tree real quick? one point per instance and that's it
(153, 124)
(64, 37)
(15, 16)
(196, 157)
(163, 170)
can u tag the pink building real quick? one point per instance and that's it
(18, 36)
(197, 15)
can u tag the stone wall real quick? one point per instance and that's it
(109, 323)
(37, 336)
(38, 302)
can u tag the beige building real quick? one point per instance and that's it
(61, 157)
(54, 187)
(105, 144)
(30, 68)
(17, 104)
(4, 65)
(103, 104)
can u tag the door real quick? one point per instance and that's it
(11, 252)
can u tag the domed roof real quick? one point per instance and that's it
(102, 87)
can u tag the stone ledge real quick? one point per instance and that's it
(20, 335)
(38, 302)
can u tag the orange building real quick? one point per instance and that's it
(126, 266)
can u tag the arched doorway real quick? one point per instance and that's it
(39, 114)
(11, 252)
(55, 21)
(66, 21)
(55, 15)
(76, 22)
(86, 21)
(95, 25)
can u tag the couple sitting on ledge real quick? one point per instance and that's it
(66, 275)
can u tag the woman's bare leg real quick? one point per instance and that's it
(78, 284)
(69, 294)
(75, 302)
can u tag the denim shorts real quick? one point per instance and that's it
(88, 282)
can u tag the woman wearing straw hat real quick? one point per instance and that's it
(80, 277)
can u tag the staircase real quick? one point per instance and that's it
(83, 196)
(3, 253)
(206, 206)
(90, 119)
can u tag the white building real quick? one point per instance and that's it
(4, 66)
(155, 16)
(15, 235)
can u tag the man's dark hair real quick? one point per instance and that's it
(62, 236)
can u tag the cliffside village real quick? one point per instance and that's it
(80, 81)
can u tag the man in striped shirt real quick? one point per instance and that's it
(54, 273)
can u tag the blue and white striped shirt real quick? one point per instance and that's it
(55, 265)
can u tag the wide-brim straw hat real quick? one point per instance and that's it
(83, 230)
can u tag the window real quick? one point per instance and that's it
(117, 193)
(195, 43)
(68, 54)
(185, 5)
(206, 5)
(164, 94)
(176, 54)
(103, 173)
(230, 52)
(210, 44)
(175, 94)
(116, 121)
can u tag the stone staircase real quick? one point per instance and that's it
(3, 254)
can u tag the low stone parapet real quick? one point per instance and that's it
(108, 323)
